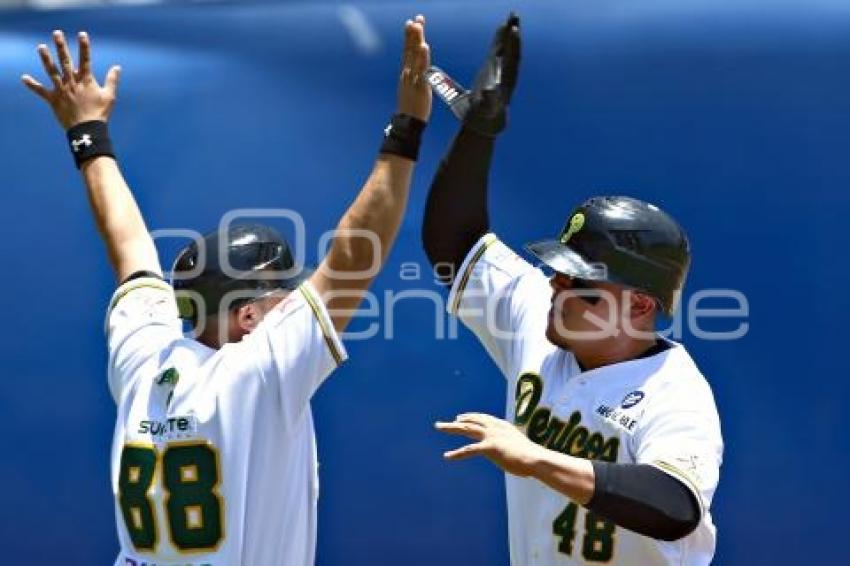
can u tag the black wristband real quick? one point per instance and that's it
(88, 140)
(402, 136)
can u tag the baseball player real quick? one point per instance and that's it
(611, 441)
(214, 455)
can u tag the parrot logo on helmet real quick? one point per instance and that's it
(576, 224)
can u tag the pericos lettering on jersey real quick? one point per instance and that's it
(547, 430)
(170, 429)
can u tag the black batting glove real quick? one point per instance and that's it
(495, 82)
(484, 108)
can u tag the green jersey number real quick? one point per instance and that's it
(598, 542)
(190, 478)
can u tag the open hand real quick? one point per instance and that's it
(414, 93)
(495, 82)
(500, 441)
(76, 96)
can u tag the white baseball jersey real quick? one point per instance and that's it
(657, 410)
(214, 454)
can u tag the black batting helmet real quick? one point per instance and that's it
(624, 241)
(232, 267)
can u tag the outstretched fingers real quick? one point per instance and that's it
(112, 78)
(465, 451)
(35, 86)
(49, 66)
(480, 419)
(470, 430)
(64, 55)
(407, 52)
(421, 50)
(85, 55)
(416, 54)
(511, 54)
(511, 42)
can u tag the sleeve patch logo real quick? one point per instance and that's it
(632, 399)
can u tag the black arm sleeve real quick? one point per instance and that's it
(645, 500)
(456, 210)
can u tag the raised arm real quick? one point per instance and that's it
(456, 210)
(82, 107)
(368, 228)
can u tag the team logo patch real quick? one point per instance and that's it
(632, 399)
(576, 224)
(168, 377)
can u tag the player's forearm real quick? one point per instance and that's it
(369, 226)
(565, 474)
(119, 221)
(456, 210)
(377, 211)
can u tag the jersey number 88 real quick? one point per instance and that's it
(190, 478)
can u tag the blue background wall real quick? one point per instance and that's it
(732, 115)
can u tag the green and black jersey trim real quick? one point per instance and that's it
(684, 478)
(134, 284)
(486, 241)
(328, 331)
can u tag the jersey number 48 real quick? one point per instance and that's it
(598, 542)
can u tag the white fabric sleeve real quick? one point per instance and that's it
(141, 321)
(501, 298)
(298, 348)
(680, 435)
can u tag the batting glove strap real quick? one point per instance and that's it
(403, 136)
(88, 140)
